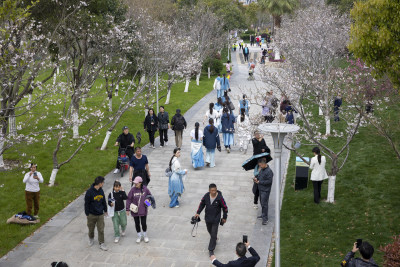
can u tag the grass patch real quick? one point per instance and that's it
(367, 206)
(74, 178)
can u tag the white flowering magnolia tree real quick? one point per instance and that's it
(310, 78)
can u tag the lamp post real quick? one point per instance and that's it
(278, 132)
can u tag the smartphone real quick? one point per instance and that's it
(148, 204)
(244, 238)
(359, 241)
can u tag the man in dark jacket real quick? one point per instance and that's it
(242, 261)
(337, 104)
(214, 202)
(178, 123)
(125, 141)
(163, 126)
(95, 209)
(366, 251)
(211, 141)
(246, 53)
(264, 182)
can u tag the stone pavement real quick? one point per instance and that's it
(64, 238)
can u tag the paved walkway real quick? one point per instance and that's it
(64, 238)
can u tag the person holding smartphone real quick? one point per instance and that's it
(366, 252)
(242, 261)
(32, 190)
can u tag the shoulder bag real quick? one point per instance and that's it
(135, 208)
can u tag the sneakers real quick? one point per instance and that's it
(161, 145)
(146, 239)
(265, 222)
(177, 206)
(241, 149)
(139, 238)
(255, 206)
(122, 233)
(166, 143)
(116, 171)
(229, 150)
(152, 146)
(116, 240)
(259, 217)
(91, 242)
(103, 247)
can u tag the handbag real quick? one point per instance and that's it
(168, 172)
(134, 208)
(231, 105)
(111, 209)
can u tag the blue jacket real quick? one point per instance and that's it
(225, 86)
(227, 122)
(211, 140)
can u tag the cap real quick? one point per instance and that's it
(124, 128)
(137, 180)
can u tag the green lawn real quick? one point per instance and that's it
(367, 206)
(74, 178)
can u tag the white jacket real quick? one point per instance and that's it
(318, 170)
(217, 84)
(32, 185)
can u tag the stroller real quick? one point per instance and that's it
(123, 160)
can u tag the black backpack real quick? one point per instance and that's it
(179, 123)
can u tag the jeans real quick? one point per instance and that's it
(264, 198)
(29, 198)
(210, 157)
(92, 221)
(118, 219)
(178, 138)
(212, 229)
(163, 136)
(246, 57)
(151, 137)
(174, 201)
(140, 220)
(317, 190)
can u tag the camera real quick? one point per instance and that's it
(195, 220)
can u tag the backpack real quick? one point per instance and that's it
(179, 123)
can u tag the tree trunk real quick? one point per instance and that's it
(116, 90)
(168, 94)
(53, 177)
(75, 122)
(277, 21)
(104, 145)
(320, 113)
(1, 155)
(198, 79)
(110, 104)
(327, 125)
(187, 85)
(12, 124)
(142, 79)
(331, 189)
(209, 73)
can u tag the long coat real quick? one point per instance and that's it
(318, 170)
(147, 123)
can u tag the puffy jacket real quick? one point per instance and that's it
(211, 140)
(213, 210)
(95, 201)
(350, 261)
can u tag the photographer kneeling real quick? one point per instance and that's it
(243, 261)
(366, 251)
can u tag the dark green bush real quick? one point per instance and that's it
(245, 37)
(215, 65)
(250, 32)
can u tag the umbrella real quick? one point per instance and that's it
(251, 163)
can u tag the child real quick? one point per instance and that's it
(116, 200)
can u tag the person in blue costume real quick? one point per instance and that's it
(175, 183)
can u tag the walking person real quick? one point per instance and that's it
(178, 123)
(116, 201)
(217, 85)
(267, 108)
(163, 126)
(151, 125)
(224, 85)
(124, 141)
(244, 130)
(228, 129)
(259, 146)
(135, 205)
(246, 53)
(228, 67)
(318, 173)
(196, 154)
(32, 190)
(219, 106)
(211, 141)
(245, 103)
(337, 104)
(211, 113)
(175, 182)
(95, 209)
(139, 166)
(213, 202)
(264, 183)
